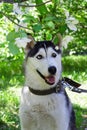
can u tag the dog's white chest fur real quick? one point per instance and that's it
(43, 112)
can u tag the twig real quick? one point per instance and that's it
(37, 5)
(13, 21)
(12, 1)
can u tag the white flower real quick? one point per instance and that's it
(22, 42)
(70, 21)
(16, 9)
(66, 13)
(61, 1)
(66, 40)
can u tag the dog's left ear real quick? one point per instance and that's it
(57, 40)
(30, 44)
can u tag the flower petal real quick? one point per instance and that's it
(22, 42)
(66, 13)
(66, 40)
(16, 9)
(71, 26)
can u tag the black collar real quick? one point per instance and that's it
(64, 82)
(55, 89)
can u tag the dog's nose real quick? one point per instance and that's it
(52, 69)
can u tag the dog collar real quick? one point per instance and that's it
(63, 83)
(55, 89)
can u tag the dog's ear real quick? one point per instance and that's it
(57, 40)
(30, 44)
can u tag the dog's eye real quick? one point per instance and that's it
(39, 57)
(54, 55)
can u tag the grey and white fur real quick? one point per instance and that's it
(44, 112)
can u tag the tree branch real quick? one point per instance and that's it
(23, 5)
(9, 18)
(34, 5)
(12, 1)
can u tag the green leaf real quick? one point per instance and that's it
(22, 34)
(62, 29)
(37, 27)
(11, 38)
(1, 15)
(42, 8)
(8, 7)
(13, 48)
(49, 18)
(29, 18)
(12, 35)
(48, 35)
(51, 25)
(55, 3)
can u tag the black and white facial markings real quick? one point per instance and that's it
(46, 61)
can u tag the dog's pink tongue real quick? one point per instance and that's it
(50, 79)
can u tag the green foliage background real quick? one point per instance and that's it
(43, 21)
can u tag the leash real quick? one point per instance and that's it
(72, 85)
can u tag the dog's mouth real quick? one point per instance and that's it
(49, 79)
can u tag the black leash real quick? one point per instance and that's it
(72, 85)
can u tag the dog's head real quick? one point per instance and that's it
(42, 64)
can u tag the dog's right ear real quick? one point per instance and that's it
(58, 40)
(30, 44)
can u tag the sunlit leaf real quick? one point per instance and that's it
(42, 9)
(37, 27)
(12, 35)
(13, 48)
(51, 25)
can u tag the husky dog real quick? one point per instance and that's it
(44, 102)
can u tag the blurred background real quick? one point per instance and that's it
(43, 19)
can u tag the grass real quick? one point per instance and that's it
(9, 110)
(12, 80)
(75, 67)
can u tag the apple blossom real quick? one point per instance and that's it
(70, 21)
(66, 40)
(22, 42)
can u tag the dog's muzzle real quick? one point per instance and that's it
(51, 78)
